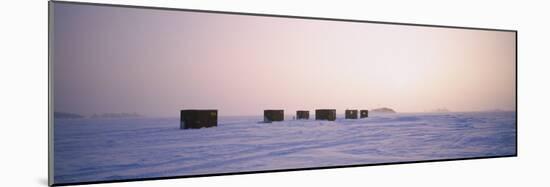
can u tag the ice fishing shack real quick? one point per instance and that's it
(274, 115)
(325, 114)
(364, 113)
(195, 119)
(351, 114)
(302, 114)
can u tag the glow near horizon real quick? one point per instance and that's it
(156, 62)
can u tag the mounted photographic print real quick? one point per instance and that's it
(141, 93)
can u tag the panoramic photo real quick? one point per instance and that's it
(142, 93)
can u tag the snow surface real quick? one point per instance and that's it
(111, 149)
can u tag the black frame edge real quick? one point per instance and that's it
(50, 159)
(279, 170)
(281, 16)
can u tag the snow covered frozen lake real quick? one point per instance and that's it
(89, 150)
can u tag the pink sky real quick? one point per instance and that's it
(156, 62)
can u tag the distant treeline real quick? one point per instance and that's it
(66, 115)
(116, 115)
(383, 110)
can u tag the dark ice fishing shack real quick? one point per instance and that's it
(364, 113)
(274, 115)
(302, 114)
(195, 119)
(351, 114)
(325, 114)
